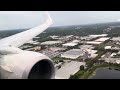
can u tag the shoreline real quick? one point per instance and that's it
(94, 72)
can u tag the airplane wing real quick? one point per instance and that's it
(19, 39)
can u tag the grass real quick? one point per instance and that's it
(85, 74)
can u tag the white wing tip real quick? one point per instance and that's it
(48, 16)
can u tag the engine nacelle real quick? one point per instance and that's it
(26, 65)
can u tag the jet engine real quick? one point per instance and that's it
(26, 65)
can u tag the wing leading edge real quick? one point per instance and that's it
(19, 39)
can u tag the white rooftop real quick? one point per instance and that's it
(70, 44)
(86, 46)
(50, 42)
(75, 41)
(108, 47)
(93, 42)
(99, 35)
(91, 51)
(102, 39)
(73, 53)
(93, 55)
(116, 39)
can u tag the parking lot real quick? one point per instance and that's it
(68, 69)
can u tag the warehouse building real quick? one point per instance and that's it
(51, 42)
(108, 47)
(93, 43)
(70, 44)
(102, 39)
(73, 54)
(96, 36)
(86, 47)
(115, 39)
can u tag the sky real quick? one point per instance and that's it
(28, 19)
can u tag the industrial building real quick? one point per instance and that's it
(75, 41)
(93, 43)
(50, 53)
(98, 41)
(112, 60)
(112, 48)
(54, 49)
(108, 47)
(96, 36)
(86, 47)
(51, 42)
(73, 54)
(86, 38)
(115, 39)
(91, 53)
(70, 44)
(102, 39)
(54, 37)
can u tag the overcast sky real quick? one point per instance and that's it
(29, 19)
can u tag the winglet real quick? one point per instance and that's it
(48, 17)
(21, 38)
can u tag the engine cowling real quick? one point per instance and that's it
(26, 65)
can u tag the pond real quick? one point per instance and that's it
(106, 73)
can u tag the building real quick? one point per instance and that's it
(50, 53)
(112, 60)
(69, 36)
(108, 47)
(115, 39)
(91, 53)
(102, 39)
(113, 54)
(86, 47)
(93, 43)
(51, 42)
(118, 61)
(54, 37)
(112, 48)
(99, 35)
(73, 54)
(54, 49)
(86, 38)
(70, 44)
(75, 41)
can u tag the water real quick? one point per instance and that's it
(106, 74)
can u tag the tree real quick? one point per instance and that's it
(89, 64)
(82, 67)
(43, 47)
(61, 61)
(73, 77)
